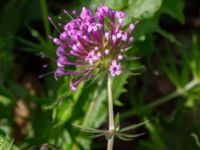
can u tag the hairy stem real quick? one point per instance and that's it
(110, 114)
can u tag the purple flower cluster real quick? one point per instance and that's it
(94, 43)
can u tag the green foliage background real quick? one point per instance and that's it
(37, 113)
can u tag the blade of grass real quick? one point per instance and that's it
(45, 17)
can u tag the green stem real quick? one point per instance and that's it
(191, 84)
(175, 94)
(110, 114)
(45, 17)
(165, 99)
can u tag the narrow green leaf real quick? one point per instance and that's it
(117, 120)
(96, 135)
(196, 139)
(130, 135)
(155, 135)
(124, 138)
(7, 145)
(87, 129)
(133, 126)
(169, 37)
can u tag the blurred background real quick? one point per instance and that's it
(37, 113)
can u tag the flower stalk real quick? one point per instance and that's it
(94, 44)
(110, 114)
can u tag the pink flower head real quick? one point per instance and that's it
(115, 69)
(93, 43)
